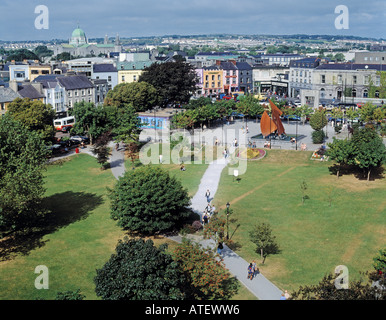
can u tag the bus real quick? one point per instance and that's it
(64, 124)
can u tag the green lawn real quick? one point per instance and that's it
(80, 236)
(314, 237)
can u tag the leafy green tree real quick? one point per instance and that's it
(318, 120)
(21, 54)
(379, 261)
(124, 123)
(64, 56)
(303, 112)
(89, 119)
(139, 271)
(367, 112)
(206, 276)
(352, 114)
(196, 103)
(185, 120)
(35, 115)
(149, 200)
(175, 81)
(43, 51)
(22, 159)
(341, 151)
(261, 235)
(100, 149)
(141, 95)
(326, 290)
(370, 152)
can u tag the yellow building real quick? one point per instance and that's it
(129, 71)
(212, 79)
(36, 70)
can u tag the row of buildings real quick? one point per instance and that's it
(312, 80)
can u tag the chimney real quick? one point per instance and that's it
(13, 85)
(38, 86)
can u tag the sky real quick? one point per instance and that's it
(137, 18)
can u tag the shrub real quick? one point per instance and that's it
(149, 200)
(196, 225)
(318, 136)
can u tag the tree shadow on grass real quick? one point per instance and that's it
(376, 173)
(63, 209)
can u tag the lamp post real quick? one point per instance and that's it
(228, 205)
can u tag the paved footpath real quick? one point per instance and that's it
(261, 287)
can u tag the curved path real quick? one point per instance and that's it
(260, 286)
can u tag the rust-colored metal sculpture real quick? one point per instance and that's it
(268, 125)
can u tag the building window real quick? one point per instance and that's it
(354, 79)
(123, 78)
(339, 79)
(377, 94)
(135, 78)
(366, 81)
(365, 93)
(109, 78)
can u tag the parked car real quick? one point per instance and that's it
(291, 117)
(80, 139)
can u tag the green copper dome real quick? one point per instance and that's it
(78, 33)
(78, 38)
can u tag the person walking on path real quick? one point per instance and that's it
(207, 195)
(250, 271)
(219, 248)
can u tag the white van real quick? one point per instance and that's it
(64, 124)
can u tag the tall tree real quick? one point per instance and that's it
(141, 95)
(206, 276)
(341, 151)
(22, 159)
(89, 119)
(370, 152)
(35, 115)
(326, 290)
(124, 123)
(175, 81)
(139, 271)
(261, 235)
(149, 200)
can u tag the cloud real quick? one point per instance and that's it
(161, 17)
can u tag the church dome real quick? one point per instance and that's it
(78, 32)
(78, 37)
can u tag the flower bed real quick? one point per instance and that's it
(252, 154)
